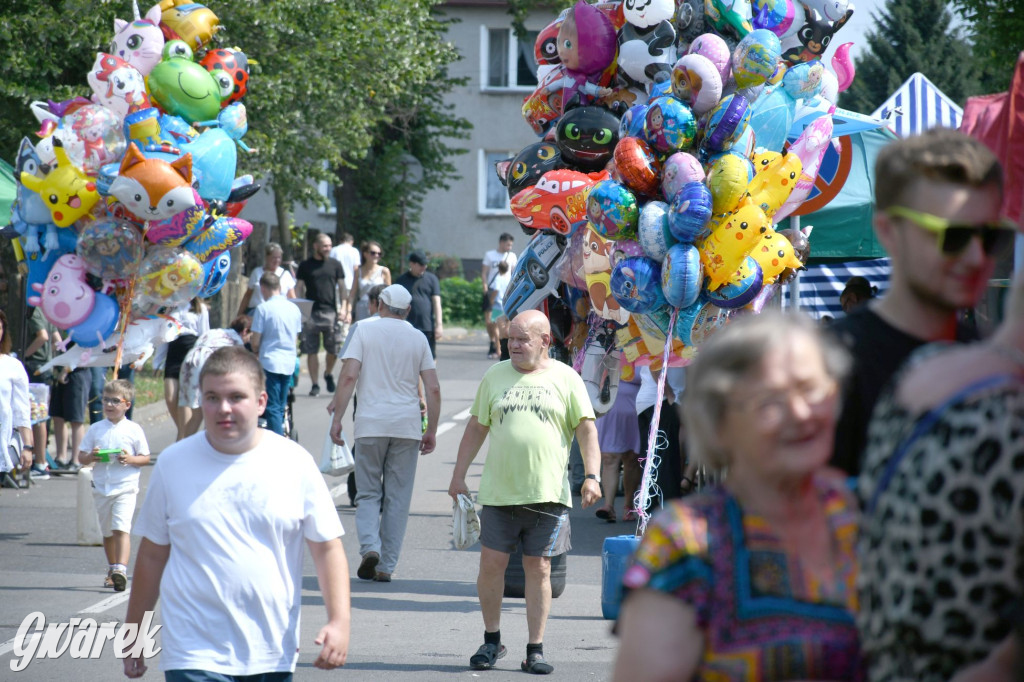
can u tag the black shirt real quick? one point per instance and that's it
(421, 312)
(321, 277)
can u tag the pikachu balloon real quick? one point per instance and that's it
(774, 253)
(66, 190)
(774, 181)
(731, 241)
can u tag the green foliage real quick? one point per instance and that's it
(912, 36)
(460, 301)
(520, 9)
(997, 33)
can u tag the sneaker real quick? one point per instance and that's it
(329, 381)
(120, 579)
(108, 581)
(315, 391)
(39, 473)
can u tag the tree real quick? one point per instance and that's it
(912, 36)
(997, 34)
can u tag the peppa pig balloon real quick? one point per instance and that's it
(67, 301)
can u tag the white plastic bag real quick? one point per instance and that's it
(336, 460)
(465, 523)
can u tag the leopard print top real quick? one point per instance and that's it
(942, 555)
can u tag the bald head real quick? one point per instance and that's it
(529, 337)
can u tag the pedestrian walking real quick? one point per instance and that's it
(488, 275)
(348, 255)
(272, 255)
(237, 334)
(385, 361)
(225, 517)
(275, 326)
(530, 407)
(322, 280)
(15, 415)
(425, 313)
(370, 274)
(115, 475)
(194, 318)
(37, 354)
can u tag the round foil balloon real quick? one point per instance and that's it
(755, 58)
(804, 80)
(728, 178)
(696, 81)
(689, 212)
(679, 169)
(636, 284)
(636, 165)
(612, 210)
(110, 248)
(655, 237)
(742, 288)
(169, 277)
(669, 125)
(726, 122)
(696, 324)
(715, 49)
(99, 130)
(632, 122)
(626, 248)
(682, 275)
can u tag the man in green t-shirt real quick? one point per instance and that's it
(531, 406)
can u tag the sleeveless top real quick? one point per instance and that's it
(365, 284)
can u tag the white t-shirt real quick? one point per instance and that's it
(287, 284)
(278, 321)
(348, 256)
(648, 393)
(231, 590)
(500, 284)
(392, 353)
(113, 478)
(491, 260)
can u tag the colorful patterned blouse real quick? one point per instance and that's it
(763, 618)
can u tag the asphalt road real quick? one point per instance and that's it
(423, 626)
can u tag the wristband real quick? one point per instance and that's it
(592, 477)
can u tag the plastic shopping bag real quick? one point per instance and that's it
(465, 523)
(336, 460)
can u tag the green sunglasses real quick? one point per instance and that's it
(955, 237)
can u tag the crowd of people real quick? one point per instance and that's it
(864, 517)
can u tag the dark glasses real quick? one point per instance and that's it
(955, 238)
(373, 253)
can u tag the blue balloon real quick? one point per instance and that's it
(772, 117)
(636, 284)
(669, 125)
(694, 325)
(682, 275)
(215, 274)
(40, 263)
(742, 288)
(632, 122)
(654, 235)
(214, 159)
(99, 325)
(726, 122)
(689, 213)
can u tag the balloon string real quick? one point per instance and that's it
(656, 439)
(126, 309)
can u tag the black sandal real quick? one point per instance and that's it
(486, 656)
(536, 665)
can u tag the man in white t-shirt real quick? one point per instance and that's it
(488, 274)
(275, 326)
(385, 361)
(235, 503)
(348, 255)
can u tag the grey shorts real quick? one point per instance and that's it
(543, 528)
(321, 324)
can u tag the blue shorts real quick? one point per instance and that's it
(543, 528)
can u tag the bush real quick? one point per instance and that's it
(460, 301)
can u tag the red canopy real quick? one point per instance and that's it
(998, 121)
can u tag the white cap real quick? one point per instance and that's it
(396, 296)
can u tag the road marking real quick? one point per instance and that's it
(107, 604)
(462, 415)
(446, 427)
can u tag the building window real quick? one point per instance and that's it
(508, 63)
(326, 190)
(493, 195)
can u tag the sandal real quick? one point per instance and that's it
(606, 514)
(486, 656)
(536, 665)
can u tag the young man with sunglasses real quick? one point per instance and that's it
(937, 213)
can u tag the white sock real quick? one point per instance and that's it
(121, 567)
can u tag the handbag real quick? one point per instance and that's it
(465, 523)
(336, 460)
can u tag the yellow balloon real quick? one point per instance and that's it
(731, 241)
(774, 181)
(774, 253)
(727, 179)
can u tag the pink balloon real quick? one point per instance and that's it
(842, 64)
(714, 48)
(810, 148)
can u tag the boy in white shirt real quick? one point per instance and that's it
(115, 475)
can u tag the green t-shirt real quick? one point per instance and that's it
(531, 418)
(37, 323)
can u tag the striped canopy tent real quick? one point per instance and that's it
(822, 284)
(918, 105)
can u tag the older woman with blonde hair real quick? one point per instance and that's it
(752, 579)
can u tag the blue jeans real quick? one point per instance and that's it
(207, 676)
(277, 397)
